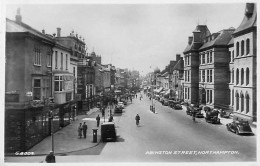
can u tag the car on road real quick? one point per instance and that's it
(108, 131)
(121, 104)
(118, 109)
(177, 107)
(239, 127)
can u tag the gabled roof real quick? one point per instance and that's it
(249, 18)
(179, 65)
(219, 39)
(13, 26)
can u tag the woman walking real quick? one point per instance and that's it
(80, 130)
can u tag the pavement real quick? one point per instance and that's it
(66, 140)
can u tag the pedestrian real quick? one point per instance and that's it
(80, 130)
(50, 158)
(84, 128)
(98, 120)
(136, 96)
(137, 118)
(110, 118)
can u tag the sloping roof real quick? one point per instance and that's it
(13, 26)
(249, 18)
(221, 38)
(179, 65)
(231, 41)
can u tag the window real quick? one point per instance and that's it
(242, 76)
(237, 101)
(37, 89)
(247, 76)
(188, 93)
(232, 56)
(208, 75)
(203, 59)
(56, 59)
(61, 60)
(210, 57)
(247, 103)
(237, 49)
(74, 71)
(242, 102)
(37, 57)
(207, 96)
(210, 96)
(232, 99)
(49, 59)
(68, 96)
(200, 75)
(66, 61)
(237, 76)
(58, 83)
(242, 48)
(45, 88)
(247, 46)
(203, 75)
(232, 78)
(188, 75)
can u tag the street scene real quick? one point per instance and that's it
(130, 83)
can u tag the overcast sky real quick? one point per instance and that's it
(134, 36)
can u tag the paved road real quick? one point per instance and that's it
(168, 133)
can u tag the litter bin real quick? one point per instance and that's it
(95, 135)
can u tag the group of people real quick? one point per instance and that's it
(82, 129)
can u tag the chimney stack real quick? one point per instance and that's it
(178, 57)
(43, 31)
(58, 32)
(18, 17)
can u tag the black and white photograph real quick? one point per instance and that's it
(129, 82)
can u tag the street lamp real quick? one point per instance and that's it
(52, 136)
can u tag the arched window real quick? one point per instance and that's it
(232, 97)
(247, 102)
(242, 101)
(247, 76)
(242, 48)
(242, 76)
(237, 49)
(237, 76)
(232, 75)
(247, 46)
(237, 101)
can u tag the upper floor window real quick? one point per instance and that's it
(61, 61)
(203, 59)
(49, 58)
(56, 59)
(37, 57)
(247, 76)
(203, 75)
(242, 76)
(208, 58)
(36, 89)
(66, 61)
(232, 57)
(242, 48)
(237, 75)
(247, 46)
(58, 83)
(237, 49)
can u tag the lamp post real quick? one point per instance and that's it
(52, 136)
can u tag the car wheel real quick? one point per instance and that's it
(237, 133)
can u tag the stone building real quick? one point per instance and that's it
(243, 55)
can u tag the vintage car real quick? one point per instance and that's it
(177, 107)
(224, 114)
(118, 109)
(239, 127)
(212, 116)
(165, 102)
(108, 131)
(192, 108)
(121, 104)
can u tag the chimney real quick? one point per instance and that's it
(196, 36)
(178, 57)
(18, 17)
(190, 40)
(43, 31)
(58, 32)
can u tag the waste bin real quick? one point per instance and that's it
(95, 135)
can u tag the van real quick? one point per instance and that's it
(108, 131)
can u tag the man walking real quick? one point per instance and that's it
(98, 120)
(85, 128)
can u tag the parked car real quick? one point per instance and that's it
(177, 107)
(239, 127)
(118, 109)
(224, 114)
(121, 104)
(212, 116)
(165, 102)
(108, 131)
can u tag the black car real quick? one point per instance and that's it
(177, 107)
(108, 131)
(212, 117)
(118, 109)
(239, 127)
